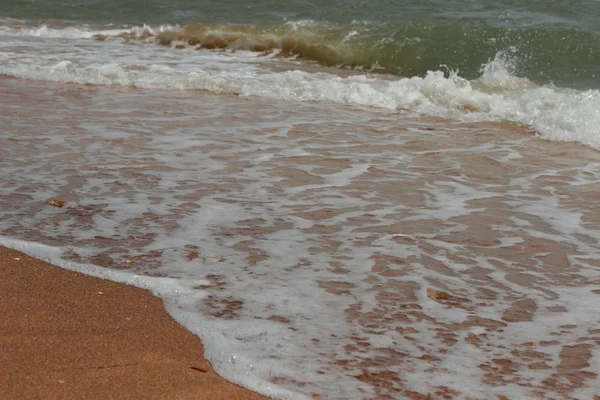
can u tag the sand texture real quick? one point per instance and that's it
(67, 335)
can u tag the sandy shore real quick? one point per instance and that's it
(67, 335)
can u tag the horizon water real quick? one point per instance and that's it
(342, 200)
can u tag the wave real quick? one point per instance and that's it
(497, 91)
(408, 49)
(496, 95)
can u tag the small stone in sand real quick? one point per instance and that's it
(437, 294)
(56, 203)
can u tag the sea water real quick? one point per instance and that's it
(341, 200)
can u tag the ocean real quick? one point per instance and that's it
(343, 200)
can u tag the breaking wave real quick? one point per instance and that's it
(246, 60)
(408, 49)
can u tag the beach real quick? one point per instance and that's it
(68, 335)
(344, 200)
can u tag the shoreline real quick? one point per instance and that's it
(68, 335)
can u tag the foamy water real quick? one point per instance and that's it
(310, 245)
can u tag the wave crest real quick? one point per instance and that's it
(407, 49)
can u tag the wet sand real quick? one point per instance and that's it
(67, 335)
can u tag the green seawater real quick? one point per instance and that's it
(548, 42)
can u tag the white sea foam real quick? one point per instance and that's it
(173, 290)
(14, 28)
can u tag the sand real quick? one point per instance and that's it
(67, 335)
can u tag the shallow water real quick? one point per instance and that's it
(321, 250)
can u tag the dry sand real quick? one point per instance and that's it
(67, 335)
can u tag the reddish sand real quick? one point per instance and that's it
(67, 335)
